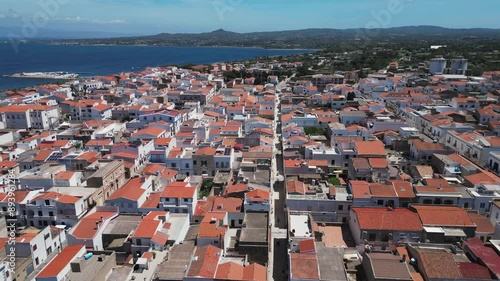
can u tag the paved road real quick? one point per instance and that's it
(277, 267)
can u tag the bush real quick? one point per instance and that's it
(314, 131)
(334, 181)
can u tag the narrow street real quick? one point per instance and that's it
(278, 222)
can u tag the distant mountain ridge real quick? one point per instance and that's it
(305, 38)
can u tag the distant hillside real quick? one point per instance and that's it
(306, 38)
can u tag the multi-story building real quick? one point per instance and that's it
(29, 117)
(108, 176)
(88, 231)
(52, 208)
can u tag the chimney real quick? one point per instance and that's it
(403, 259)
(102, 218)
(96, 225)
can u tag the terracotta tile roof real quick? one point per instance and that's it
(152, 131)
(205, 263)
(211, 225)
(487, 255)
(387, 219)
(224, 204)
(304, 266)
(132, 190)
(59, 197)
(178, 190)
(427, 146)
(169, 174)
(64, 175)
(205, 151)
(152, 201)
(160, 238)
(147, 228)
(307, 246)
(235, 188)
(483, 177)
(378, 163)
(43, 155)
(403, 189)
(439, 265)
(369, 148)
(296, 187)
(19, 196)
(483, 224)
(163, 141)
(382, 190)
(234, 271)
(200, 209)
(257, 195)
(68, 254)
(360, 189)
(86, 228)
(476, 271)
(99, 142)
(443, 216)
(152, 169)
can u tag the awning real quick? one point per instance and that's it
(431, 229)
(454, 232)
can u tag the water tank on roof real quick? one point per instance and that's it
(88, 256)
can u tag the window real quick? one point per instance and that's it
(40, 213)
(173, 165)
(482, 205)
(37, 262)
(341, 207)
(372, 237)
(51, 214)
(380, 202)
(47, 202)
(35, 247)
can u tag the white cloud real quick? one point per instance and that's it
(94, 21)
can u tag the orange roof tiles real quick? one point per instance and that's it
(304, 266)
(387, 219)
(234, 271)
(152, 201)
(296, 186)
(370, 148)
(64, 175)
(443, 216)
(205, 265)
(86, 228)
(382, 190)
(132, 190)
(257, 195)
(378, 163)
(206, 151)
(147, 228)
(60, 261)
(360, 189)
(225, 204)
(59, 197)
(178, 190)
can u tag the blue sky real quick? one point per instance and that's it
(174, 16)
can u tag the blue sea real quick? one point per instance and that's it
(105, 60)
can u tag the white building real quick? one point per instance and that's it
(257, 201)
(29, 117)
(52, 208)
(88, 231)
(38, 244)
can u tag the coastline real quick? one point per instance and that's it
(173, 46)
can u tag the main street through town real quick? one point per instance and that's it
(278, 254)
